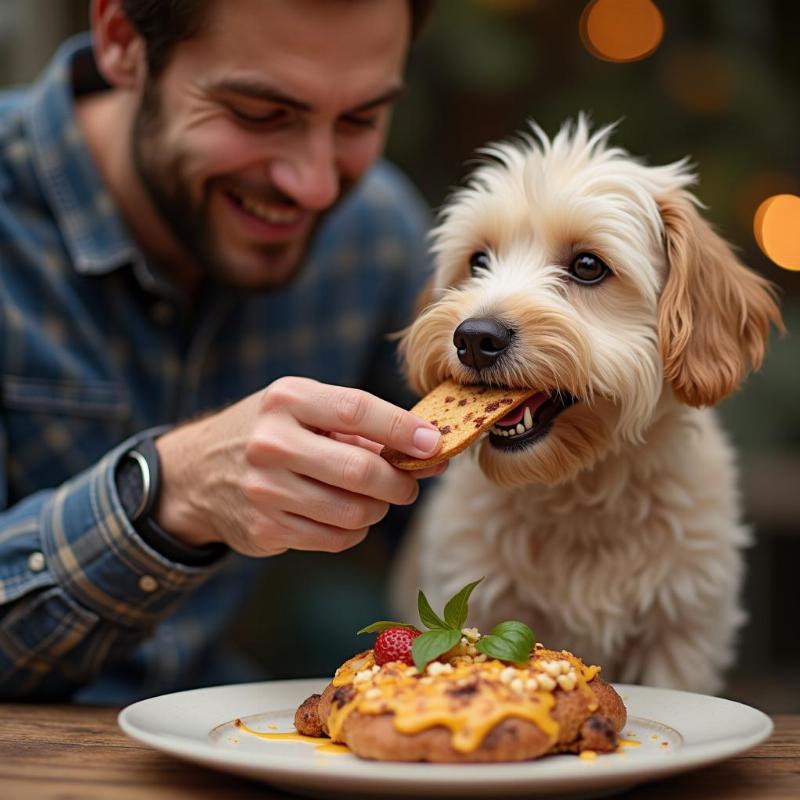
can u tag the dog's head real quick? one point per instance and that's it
(569, 267)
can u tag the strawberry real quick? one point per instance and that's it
(394, 644)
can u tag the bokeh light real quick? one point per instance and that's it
(752, 189)
(777, 230)
(698, 78)
(621, 30)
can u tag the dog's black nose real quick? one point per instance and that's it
(479, 341)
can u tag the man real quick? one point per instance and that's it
(193, 213)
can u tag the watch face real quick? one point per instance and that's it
(130, 486)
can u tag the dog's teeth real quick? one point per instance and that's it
(527, 419)
(520, 428)
(506, 432)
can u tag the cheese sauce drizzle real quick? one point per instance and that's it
(324, 744)
(470, 700)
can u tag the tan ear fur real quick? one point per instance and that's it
(425, 297)
(422, 301)
(714, 313)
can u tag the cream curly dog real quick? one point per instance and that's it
(604, 512)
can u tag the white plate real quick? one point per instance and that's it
(676, 731)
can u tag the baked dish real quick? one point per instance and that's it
(481, 698)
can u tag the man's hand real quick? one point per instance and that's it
(296, 465)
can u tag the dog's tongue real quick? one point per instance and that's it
(515, 416)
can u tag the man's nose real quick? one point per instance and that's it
(480, 341)
(310, 174)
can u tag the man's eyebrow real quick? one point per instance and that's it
(259, 90)
(389, 96)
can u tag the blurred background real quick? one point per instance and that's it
(713, 79)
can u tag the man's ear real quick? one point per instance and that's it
(714, 313)
(118, 49)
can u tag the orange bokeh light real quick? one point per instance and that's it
(698, 78)
(777, 230)
(621, 30)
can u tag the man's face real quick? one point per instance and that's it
(262, 121)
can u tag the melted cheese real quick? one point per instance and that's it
(331, 748)
(290, 736)
(352, 667)
(469, 701)
(324, 745)
(628, 743)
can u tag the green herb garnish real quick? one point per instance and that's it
(509, 641)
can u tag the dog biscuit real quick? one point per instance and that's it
(461, 412)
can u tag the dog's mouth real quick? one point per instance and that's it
(529, 422)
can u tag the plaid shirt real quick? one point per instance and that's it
(96, 349)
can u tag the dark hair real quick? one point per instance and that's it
(164, 23)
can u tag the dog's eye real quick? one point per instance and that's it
(478, 261)
(587, 268)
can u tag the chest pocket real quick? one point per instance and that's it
(55, 429)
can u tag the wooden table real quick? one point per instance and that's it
(65, 751)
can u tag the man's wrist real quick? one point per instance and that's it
(138, 480)
(173, 511)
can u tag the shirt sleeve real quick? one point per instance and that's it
(77, 584)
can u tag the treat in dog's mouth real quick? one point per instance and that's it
(462, 413)
(529, 421)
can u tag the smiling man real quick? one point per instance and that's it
(202, 258)
(225, 158)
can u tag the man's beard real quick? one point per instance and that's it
(190, 222)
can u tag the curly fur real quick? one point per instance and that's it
(618, 535)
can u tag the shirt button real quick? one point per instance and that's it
(36, 562)
(147, 583)
(162, 312)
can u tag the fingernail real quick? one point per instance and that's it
(426, 440)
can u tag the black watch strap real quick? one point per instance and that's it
(138, 479)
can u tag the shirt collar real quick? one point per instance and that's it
(87, 215)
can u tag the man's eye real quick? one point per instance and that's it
(478, 262)
(256, 119)
(361, 122)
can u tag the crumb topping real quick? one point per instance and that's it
(462, 691)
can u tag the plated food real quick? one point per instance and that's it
(452, 694)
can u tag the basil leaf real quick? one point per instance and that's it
(377, 627)
(431, 644)
(427, 616)
(515, 631)
(455, 612)
(508, 641)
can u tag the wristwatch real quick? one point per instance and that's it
(138, 481)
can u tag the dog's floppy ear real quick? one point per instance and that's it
(425, 297)
(714, 313)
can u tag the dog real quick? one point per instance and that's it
(606, 515)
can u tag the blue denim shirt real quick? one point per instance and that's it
(96, 348)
